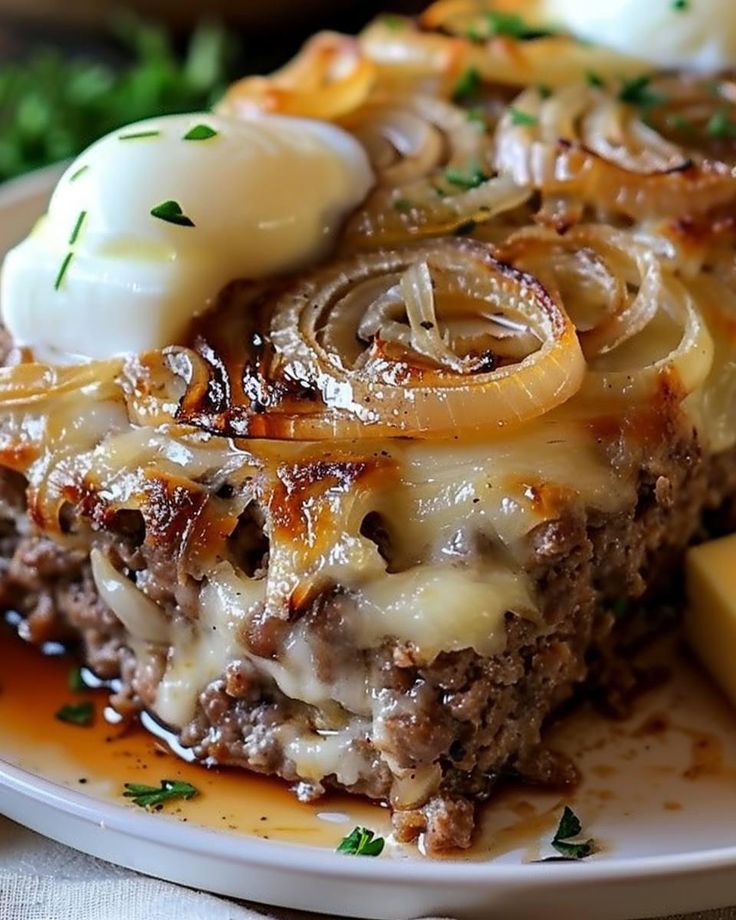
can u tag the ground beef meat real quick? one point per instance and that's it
(471, 719)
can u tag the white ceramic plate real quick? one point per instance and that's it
(659, 796)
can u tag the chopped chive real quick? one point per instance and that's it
(720, 125)
(468, 83)
(77, 228)
(62, 271)
(522, 118)
(544, 91)
(512, 25)
(76, 713)
(76, 681)
(138, 135)
(680, 6)
(637, 91)
(200, 133)
(594, 79)
(75, 175)
(171, 212)
(470, 179)
(155, 796)
(679, 122)
(402, 204)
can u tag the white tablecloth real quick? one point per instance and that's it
(42, 880)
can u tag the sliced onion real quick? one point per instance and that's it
(368, 348)
(449, 38)
(434, 172)
(637, 297)
(581, 141)
(25, 384)
(329, 77)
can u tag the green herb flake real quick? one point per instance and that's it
(402, 204)
(395, 23)
(466, 228)
(76, 713)
(79, 172)
(138, 135)
(619, 607)
(522, 118)
(477, 116)
(468, 84)
(569, 849)
(361, 842)
(62, 270)
(720, 125)
(77, 227)
(152, 796)
(544, 91)
(679, 123)
(75, 680)
(471, 178)
(594, 79)
(200, 133)
(171, 212)
(512, 25)
(680, 6)
(637, 91)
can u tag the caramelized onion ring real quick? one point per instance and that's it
(427, 341)
(639, 300)
(583, 142)
(329, 77)
(434, 172)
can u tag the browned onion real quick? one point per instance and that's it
(428, 341)
(434, 171)
(451, 37)
(329, 77)
(584, 142)
(637, 321)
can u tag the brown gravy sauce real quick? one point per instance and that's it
(101, 758)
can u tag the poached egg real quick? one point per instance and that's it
(148, 225)
(689, 34)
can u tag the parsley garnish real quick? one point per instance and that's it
(76, 681)
(593, 79)
(466, 228)
(680, 6)
(470, 179)
(522, 118)
(361, 842)
(468, 83)
(77, 228)
(720, 125)
(62, 270)
(513, 26)
(171, 212)
(75, 175)
(393, 22)
(619, 607)
(637, 91)
(149, 796)
(568, 827)
(138, 135)
(200, 133)
(76, 713)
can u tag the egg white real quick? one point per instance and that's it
(101, 275)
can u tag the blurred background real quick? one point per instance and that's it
(72, 70)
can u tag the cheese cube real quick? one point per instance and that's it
(710, 619)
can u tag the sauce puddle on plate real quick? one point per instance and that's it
(659, 782)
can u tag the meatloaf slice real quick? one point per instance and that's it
(301, 692)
